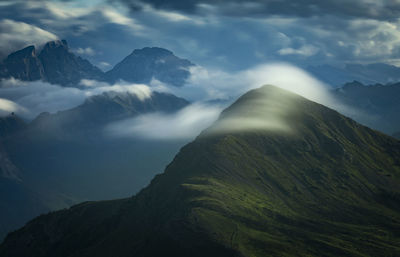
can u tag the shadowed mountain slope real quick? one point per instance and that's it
(89, 118)
(377, 106)
(54, 63)
(276, 175)
(19, 202)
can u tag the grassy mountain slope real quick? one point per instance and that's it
(276, 175)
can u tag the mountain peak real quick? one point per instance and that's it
(57, 65)
(354, 83)
(28, 51)
(142, 65)
(268, 108)
(152, 51)
(63, 67)
(24, 65)
(56, 44)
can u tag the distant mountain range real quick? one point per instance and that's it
(88, 119)
(377, 106)
(56, 64)
(375, 73)
(302, 181)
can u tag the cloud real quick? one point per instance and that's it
(16, 35)
(233, 34)
(184, 124)
(108, 29)
(7, 107)
(269, 112)
(33, 98)
(211, 83)
(118, 18)
(84, 51)
(203, 85)
(383, 10)
(307, 50)
(240, 34)
(104, 65)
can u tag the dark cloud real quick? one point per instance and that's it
(382, 10)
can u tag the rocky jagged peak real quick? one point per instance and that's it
(24, 65)
(52, 49)
(63, 67)
(142, 65)
(56, 44)
(27, 52)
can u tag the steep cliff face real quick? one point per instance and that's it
(64, 68)
(55, 64)
(24, 65)
(276, 175)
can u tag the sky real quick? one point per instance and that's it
(229, 34)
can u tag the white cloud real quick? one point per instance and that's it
(85, 51)
(16, 35)
(176, 17)
(36, 97)
(269, 113)
(7, 107)
(119, 18)
(209, 83)
(70, 17)
(104, 65)
(184, 124)
(270, 110)
(306, 50)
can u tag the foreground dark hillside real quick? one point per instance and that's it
(20, 201)
(275, 175)
(67, 157)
